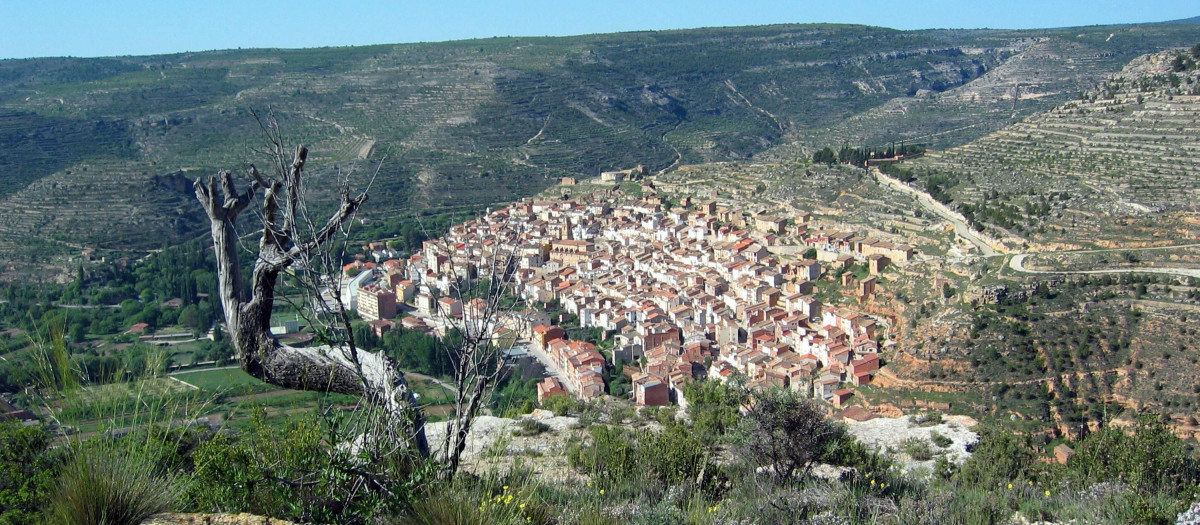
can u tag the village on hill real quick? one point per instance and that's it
(683, 289)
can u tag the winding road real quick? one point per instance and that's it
(1017, 263)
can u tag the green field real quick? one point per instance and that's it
(223, 380)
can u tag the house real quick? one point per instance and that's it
(381, 326)
(425, 303)
(405, 291)
(376, 302)
(770, 224)
(450, 307)
(876, 263)
(138, 328)
(809, 270)
(544, 334)
(866, 287)
(649, 390)
(549, 387)
(826, 386)
(414, 323)
(1063, 453)
(841, 397)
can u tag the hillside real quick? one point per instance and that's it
(482, 121)
(1115, 165)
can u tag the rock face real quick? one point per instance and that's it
(994, 293)
(213, 519)
(889, 435)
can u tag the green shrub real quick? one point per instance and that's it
(786, 433)
(940, 440)
(928, 419)
(918, 449)
(561, 405)
(714, 408)
(999, 458)
(618, 455)
(452, 506)
(29, 470)
(111, 485)
(291, 471)
(1150, 458)
(530, 427)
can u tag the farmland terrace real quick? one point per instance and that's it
(1116, 165)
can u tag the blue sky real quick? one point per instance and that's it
(30, 28)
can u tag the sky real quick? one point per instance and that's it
(89, 28)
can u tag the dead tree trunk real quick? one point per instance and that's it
(345, 369)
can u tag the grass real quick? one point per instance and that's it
(108, 485)
(224, 379)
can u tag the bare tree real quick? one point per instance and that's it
(477, 357)
(289, 238)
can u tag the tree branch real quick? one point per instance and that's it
(329, 369)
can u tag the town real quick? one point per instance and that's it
(685, 290)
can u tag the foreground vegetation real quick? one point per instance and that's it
(716, 465)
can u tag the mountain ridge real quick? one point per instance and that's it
(489, 120)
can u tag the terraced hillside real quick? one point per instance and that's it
(88, 141)
(1116, 165)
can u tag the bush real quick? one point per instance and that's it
(291, 471)
(918, 449)
(928, 419)
(561, 405)
(786, 433)
(530, 427)
(714, 408)
(111, 486)
(999, 458)
(28, 472)
(619, 455)
(451, 506)
(940, 440)
(1151, 459)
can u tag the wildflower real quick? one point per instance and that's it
(506, 487)
(601, 492)
(883, 485)
(1010, 486)
(1047, 493)
(1031, 483)
(589, 483)
(522, 505)
(872, 482)
(508, 499)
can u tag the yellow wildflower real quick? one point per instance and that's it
(1031, 482)
(1010, 485)
(1047, 493)
(506, 487)
(522, 505)
(883, 485)
(872, 482)
(601, 491)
